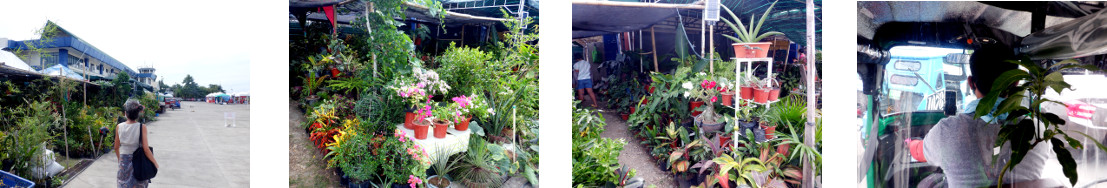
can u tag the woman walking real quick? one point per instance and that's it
(131, 135)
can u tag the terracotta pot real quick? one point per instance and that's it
(728, 99)
(692, 105)
(769, 130)
(747, 92)
(754, 50)
(774, 94)
(420, 128)
(464, 124)
(407, 120)
(440, 127)
(760, 95)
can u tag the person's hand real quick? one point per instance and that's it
(156, 165)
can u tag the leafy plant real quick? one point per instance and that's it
(1023, 122)
(478, 170)
(748, 33)
(312, 83)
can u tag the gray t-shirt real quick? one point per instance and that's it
(963, 147)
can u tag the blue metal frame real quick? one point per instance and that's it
(75, 43)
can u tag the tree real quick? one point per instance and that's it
(212, 88)
(162, 86)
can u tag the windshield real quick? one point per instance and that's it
(916, 78)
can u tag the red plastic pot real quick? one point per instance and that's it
(625, 116)
(464, 124)
(728, 99)
(632, 110)
(774, 94)
(420, 128)
(693, 105)
(754, 50)
(440, 128)
(760, 95)
(334, 72)
(747, 92)
(645, 101)
(769, 130)
(650, 89)
(407, 120)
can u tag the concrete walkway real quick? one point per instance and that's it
(635, 155)
(193, 148)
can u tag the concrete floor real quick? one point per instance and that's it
(193, 148)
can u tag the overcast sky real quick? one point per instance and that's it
(204, 39)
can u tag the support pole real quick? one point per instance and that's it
(653, 41)
(640, 46)
(711, 56)
(808, 138)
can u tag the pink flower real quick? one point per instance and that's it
(412, 180)
(713, 98)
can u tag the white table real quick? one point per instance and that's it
(455, 141)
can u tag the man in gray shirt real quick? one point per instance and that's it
(962, 146)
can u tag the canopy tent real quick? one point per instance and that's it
(1064, 30)
(242, 94)
(11, 60)
(593, 18)
(61, 71)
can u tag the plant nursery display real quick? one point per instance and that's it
(393, 104)
(45, 121)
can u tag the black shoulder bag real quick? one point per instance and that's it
(144, 169)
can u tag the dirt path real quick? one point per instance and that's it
(306, 167)
(634, 153)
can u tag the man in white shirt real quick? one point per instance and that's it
(582, 70)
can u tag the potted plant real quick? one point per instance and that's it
(443, 117)
(708, 120)
(725, 89)
(747, 43)
(311, 84)
(422, 121)
(465, 108)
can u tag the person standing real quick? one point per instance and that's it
(130, 136)
(583, 71)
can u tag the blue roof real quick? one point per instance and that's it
(146, 75)
(75, 43)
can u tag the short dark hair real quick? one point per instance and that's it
(132, 108)
(987, 63)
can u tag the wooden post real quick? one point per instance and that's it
(653, 42)
(808, 138)
(711, 55)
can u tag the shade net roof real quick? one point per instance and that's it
(788, 17)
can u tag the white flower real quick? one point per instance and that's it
(491, 111)
(687, 85)
(686, 94)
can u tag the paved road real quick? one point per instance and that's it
(193, 148)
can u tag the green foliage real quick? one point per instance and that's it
(25, 140)
(1024, 120)
(748, 33)
(478, 169)
(595, 161)
(463, 68)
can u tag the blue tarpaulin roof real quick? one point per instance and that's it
(74, 42)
